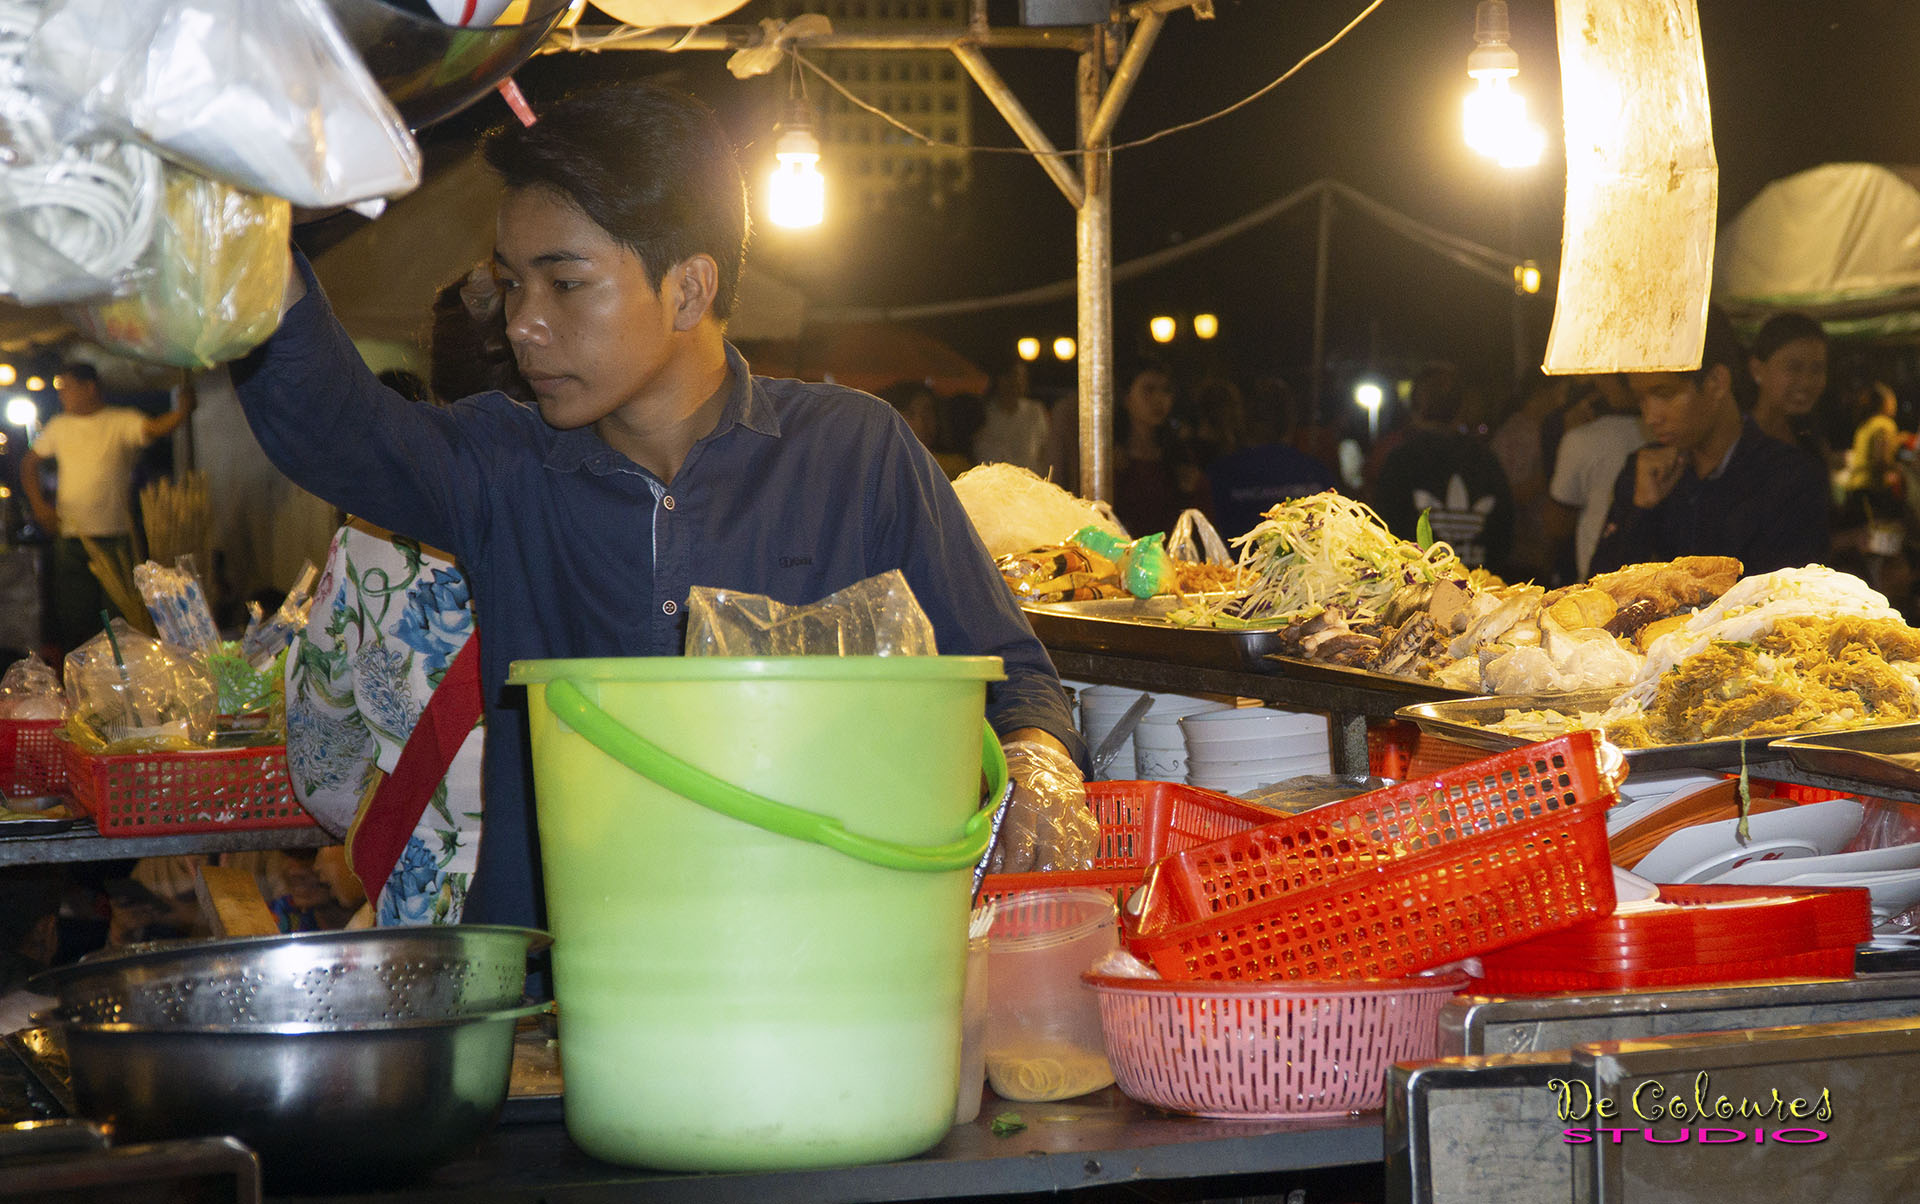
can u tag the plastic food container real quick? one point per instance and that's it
(973, 1034)
(1043, 1037)
(1237, 1049)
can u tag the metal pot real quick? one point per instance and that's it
(362, 976)
(324, 1105)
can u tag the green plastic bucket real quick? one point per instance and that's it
(758, 875)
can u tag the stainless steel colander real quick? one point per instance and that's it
(363, 976)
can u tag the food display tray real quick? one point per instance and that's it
(1886, 756)
(1138, 627)
(1463, 721)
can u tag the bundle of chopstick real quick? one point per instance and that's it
(113, 569)
(179, 520)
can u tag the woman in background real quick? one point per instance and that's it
(1789, 368)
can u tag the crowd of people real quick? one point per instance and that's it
(1749, 456)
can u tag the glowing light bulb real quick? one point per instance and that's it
(1163, 328)
(1205, 326)
(22, 412)
(35, 384)
(1029, 348)
(1063, 348)
(7, 374)
(797, 192)
(1495, 115)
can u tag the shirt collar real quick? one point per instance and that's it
(1720, 469)
(747, 405)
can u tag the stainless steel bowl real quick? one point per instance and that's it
(363, 976)
(323, 1105)
(431, 70)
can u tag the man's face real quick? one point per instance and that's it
(590, 335)
(1794, 376)
(79, 396)
(1678, 410)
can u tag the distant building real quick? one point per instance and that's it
(872, 165)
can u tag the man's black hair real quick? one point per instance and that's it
(650, 166)
(82, 371)
(1722, 347)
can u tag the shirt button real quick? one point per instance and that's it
(667, 501)
(669, 607)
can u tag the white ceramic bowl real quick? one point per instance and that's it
(1246, 721)
(1702, 852)
(1894, 857)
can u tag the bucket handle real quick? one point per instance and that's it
(572, 706)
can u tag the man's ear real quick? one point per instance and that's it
(1718, 382)
(696, 281)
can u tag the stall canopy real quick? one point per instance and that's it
(1840, 242)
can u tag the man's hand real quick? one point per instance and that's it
(1048, 825)
(1656, 470)
(47, 520)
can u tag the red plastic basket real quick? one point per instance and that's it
(168, 793)
(1266, 1049)
(1718, 934)
(30, 760)
(1392, 882)
(1140, 822)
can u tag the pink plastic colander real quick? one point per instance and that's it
(1260, 1049)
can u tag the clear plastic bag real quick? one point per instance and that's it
(876, 617)
(29, 690)
(208, 287)
(1195, 540)
(270, 97)
(75, 212)
(127, 692)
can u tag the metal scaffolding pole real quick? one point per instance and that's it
(1093, 240)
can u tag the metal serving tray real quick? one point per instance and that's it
(1463, 721)
(1887, 756)
(1139, 627)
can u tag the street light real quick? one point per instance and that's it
(1368, 395)
(1205, 326)
(21, 412)
(1063, 348)
(1163, 328)
(1496, 115)
(35, 384)
(1028, 348)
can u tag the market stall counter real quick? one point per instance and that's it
(1099, 1139)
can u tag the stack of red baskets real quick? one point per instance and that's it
(1387, 884)
(1140, 822)
(1715, 934)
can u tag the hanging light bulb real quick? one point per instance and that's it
(1496, 116)
(1029, 348)
(797, 192)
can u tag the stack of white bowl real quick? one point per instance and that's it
(1100, 708)
(1235, 751)
(1159, 744)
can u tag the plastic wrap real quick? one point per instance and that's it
(270, 97)
(1014, 510)
(208, 287)
(74, 214)
(876, 617)
(127, 692)
(1048, 826)
(267, 637)
(29, 690)
(1194, 538)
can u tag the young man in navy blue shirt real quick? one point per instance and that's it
(654, 461)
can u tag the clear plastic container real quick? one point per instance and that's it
(973, 1034)
(1043, 1038)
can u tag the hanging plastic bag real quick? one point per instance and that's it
(269, 97)
(208, 288)
(1194, 539)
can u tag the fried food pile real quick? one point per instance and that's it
(1799, 650)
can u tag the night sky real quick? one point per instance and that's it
(1794, 83)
